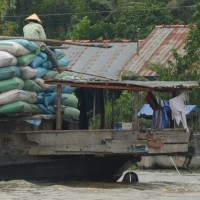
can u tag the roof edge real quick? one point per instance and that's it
(106, 41)
(172, 26)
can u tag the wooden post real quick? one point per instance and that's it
(59, 109)
(113, 118)
(135, 102)
(102, 107)
(94, 104)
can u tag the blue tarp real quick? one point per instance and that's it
(146, 110)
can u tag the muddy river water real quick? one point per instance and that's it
(153, 185)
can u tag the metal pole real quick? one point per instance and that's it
(70, 70)
(174, 165)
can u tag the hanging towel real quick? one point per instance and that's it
(177, 109)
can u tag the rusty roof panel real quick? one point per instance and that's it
(157, 48)
(105, 62)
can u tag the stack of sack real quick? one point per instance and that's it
(23, 68)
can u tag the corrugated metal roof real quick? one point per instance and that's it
(157, 48)
(110, 62)
(105, 62)
(128, 85)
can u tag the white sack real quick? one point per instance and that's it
(28, 72)
(41, 83)
(17, 95)
(7, 59)
(13, 48)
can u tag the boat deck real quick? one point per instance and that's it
(105, 142)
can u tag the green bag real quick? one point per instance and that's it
(9, 72)
(71, 113)
(31, 85)
(69, 100)
(15, 107)
(19, 107)
(25, 60)
(11, 84)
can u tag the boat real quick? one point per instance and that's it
(35, 147)
(189, 161)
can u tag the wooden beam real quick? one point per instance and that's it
(58, 47)
(57, 41)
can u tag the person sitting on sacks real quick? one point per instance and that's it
(34, 29)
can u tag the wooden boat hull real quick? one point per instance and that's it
(31, 152)
(69, 168)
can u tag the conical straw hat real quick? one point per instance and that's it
(34, 17)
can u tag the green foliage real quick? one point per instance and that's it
(109, 114)
(129, 75)
(101, 9)
(185, 67)
(94, 122)
(123, 21)
(193, 42)
(145, 123)
(143, 17)
(53, 13)
(109, 19)
(120, 110)
(3, 7)
(101, 29)
(123, 107)
(177, 70)
(82, 29)
(8, 28)
(182, 9)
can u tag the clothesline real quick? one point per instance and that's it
(163, 110)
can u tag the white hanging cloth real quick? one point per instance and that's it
(177, 105)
